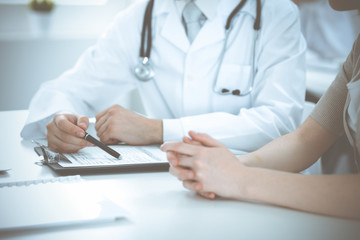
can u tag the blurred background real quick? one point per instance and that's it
(36, 46)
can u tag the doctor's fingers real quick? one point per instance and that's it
(111, 133)
(83, 122)
(182, 173)
(105, 114)
(67, 123)
(53, 130)
(57, 144)
(102, 131)
(100, 122)
(105, 121)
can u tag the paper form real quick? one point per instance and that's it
(94, 156)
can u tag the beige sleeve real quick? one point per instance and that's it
(329, 110)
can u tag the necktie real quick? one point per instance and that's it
(193, 20)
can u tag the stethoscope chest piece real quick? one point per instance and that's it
(143, 70)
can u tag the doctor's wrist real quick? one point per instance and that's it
(156, 131)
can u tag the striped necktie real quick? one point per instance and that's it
(193, 20)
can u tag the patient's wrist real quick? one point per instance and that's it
(250, 160)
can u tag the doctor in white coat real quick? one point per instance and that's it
(181, 95)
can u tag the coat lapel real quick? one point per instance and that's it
(212, 32)
(173, 30)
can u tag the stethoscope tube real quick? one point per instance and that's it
(237, 92)
(143, 70)
(228, 27)
(146, 30)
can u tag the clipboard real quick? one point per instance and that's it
(143, 159)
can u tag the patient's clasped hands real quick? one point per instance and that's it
(206, 166)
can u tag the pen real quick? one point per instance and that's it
(107, 149)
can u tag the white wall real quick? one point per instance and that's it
(38, 47)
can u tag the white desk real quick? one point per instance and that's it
(160, 208)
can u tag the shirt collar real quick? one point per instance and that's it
(208, 7)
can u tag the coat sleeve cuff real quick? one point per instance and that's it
(172, 130)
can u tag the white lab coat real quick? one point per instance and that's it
(185, 75)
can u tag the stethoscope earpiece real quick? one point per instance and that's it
(225, 91)
(236, 92)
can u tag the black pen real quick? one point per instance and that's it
(99, 144)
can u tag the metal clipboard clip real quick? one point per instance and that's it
(46, 156)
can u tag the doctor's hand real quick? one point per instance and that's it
(209, 169)
(117, 124)
(65, 133)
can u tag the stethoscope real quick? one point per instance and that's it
(144, 71)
